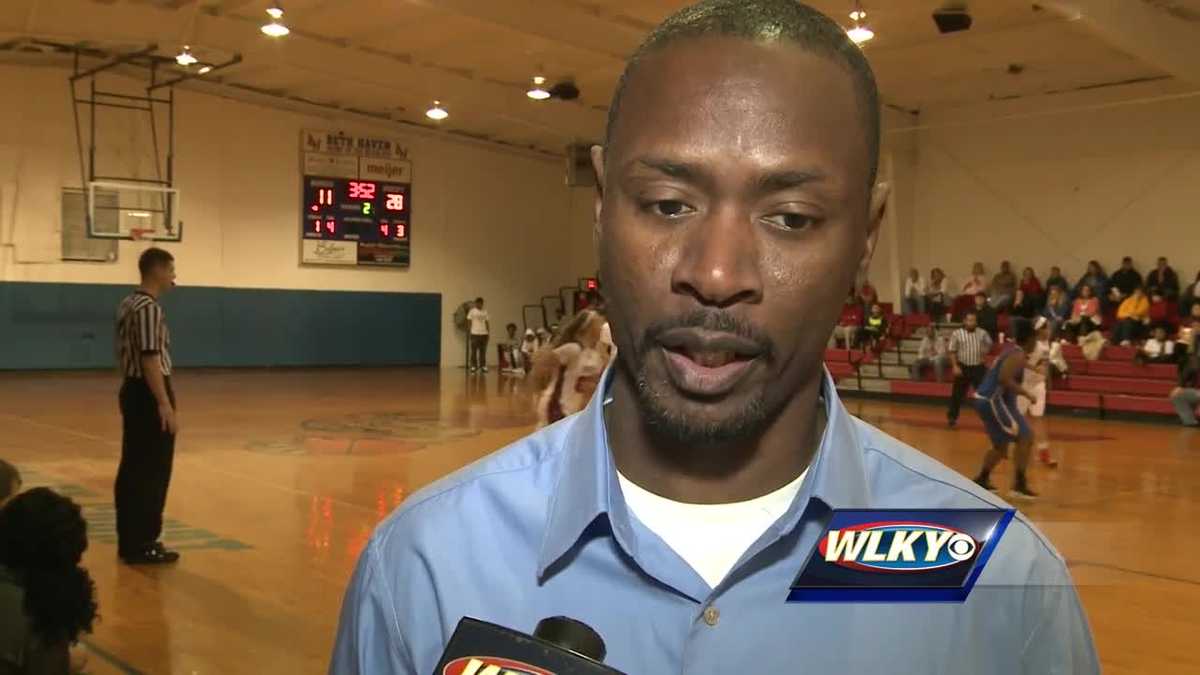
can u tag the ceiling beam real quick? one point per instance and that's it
(1141, 30)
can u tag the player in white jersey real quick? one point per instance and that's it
(1037, 379)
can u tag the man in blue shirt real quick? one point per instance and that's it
(737, 202)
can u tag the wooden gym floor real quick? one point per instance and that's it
(281, 475)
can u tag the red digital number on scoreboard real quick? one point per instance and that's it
(395, 201)
(361, 190)
(401, 230)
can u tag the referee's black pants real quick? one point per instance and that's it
(147, 453)
(972, 375)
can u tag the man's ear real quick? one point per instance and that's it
(878, 208)
(598, 167)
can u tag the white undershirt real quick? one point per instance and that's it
(709, 537)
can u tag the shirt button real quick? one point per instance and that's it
(711, 615)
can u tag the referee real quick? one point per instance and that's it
(147, 413)
(968, 346)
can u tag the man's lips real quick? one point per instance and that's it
(706, 363)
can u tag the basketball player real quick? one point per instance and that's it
(737, 201)
(148, 418)
(1038, 369)
(996, 403)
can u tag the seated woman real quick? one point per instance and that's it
(1033, 296)
(976, 283)
(937, 295)
(849, 324)
(1133, 317)
(1094, 278)
(565, 374)
(46, 598)
(914, 293)
(1190, 297)
(1085, 314)
(1057, 310)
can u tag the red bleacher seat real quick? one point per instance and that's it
(1121, 385)
(1078, 366)
(1142, 404)
(839, 369)
(1156, 371)
(1072, 352)
(887, 308)
(1073, 399)
(962, 304)
(1118, 353)
(916, 320)
(933, 389)
(837, 356)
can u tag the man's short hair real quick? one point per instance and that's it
(9, 476)
(765, 21)
(1126, 259)
(153, 257)
(478, 300)
(971, 313)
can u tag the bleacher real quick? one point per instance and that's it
(1112, 384)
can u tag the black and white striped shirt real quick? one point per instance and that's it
(142, 329)
(970, 348)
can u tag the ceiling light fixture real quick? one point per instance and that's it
(538, 91)
(859, 32)
(437, 112)
(185, 58)
(275, 28)
(204, 69)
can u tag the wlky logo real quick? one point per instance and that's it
(900, 555)
(490, 665)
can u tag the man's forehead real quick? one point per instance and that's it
(744, 96)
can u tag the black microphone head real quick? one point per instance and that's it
(572, 635)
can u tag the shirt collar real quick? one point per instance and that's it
(587, 485)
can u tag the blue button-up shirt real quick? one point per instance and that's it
(541, 529)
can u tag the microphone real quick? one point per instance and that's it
(559, 646)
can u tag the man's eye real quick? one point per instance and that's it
(792, 221)
(669, 208)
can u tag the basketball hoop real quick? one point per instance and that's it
(140, 234)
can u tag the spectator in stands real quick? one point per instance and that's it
(1126, 279)
(1032, 295)
(10, 481)
(1158, 349)
(1186, 396)
(565, 374)
(1003, 288)
(937, 298)
(1057, 310)
(1095, 279)
(868, 295)
(914, 293)
(932, 353)
(986, 316)
(969, 347)
(849, 324)
(46, 598)
(1160, 310)
(976, 283)
(1133, 316)
(875, 327)
(1187, 342)
(1164, 280)
(1085, 313)
(510, 351)
(1190, 297)
(1056, 278)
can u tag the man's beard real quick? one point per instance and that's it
(673, 427)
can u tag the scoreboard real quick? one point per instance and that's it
(369, 216)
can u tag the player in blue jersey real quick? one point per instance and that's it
(996, 403)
